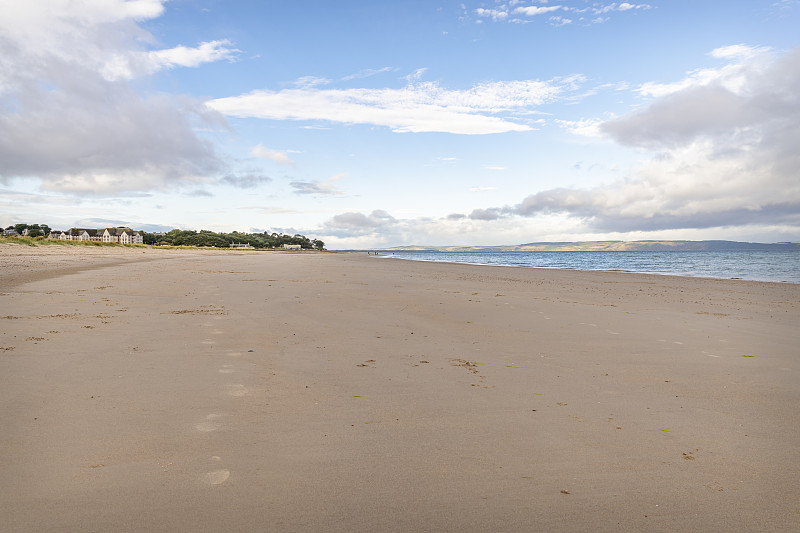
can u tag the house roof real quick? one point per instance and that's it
(120, 230)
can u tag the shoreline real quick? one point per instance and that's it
(192, 391)
(624, 271)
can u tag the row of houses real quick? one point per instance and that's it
(120, 235)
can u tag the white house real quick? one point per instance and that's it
(131, 237)
(120, 235)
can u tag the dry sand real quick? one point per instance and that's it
(249, 391)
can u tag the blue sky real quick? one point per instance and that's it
(378, 123)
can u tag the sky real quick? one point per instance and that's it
(376, 123)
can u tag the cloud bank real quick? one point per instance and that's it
(71, 119)
(722, 153)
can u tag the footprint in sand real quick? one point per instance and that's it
(210, 424)
(217, 477)
(226, 369)
(233, 354)
(238, 390)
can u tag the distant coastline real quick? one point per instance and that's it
(610, 246)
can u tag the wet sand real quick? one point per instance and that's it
(155, 390)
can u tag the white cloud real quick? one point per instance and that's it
(583, 127)
(282, 158)
(416, 76)
(559, 21)
(369, 72)
(510, 12)
(135, 64)
(725, 162)
(745, 62)
(417, 107)
(494, 14)
(737, 51)
(531, 11)
(725, 156)
(307, 82)
(623, 6)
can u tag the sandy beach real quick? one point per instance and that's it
(161, 390)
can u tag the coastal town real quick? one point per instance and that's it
(126, 236)
(121, 235)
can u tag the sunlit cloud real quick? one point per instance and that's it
(134, 64)
(277, 156)
(532, 11)
(492, 107)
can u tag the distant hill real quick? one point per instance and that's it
(614, 246)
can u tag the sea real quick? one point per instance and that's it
(776, 266)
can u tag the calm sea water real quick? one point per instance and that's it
(755, 266)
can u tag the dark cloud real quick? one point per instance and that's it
(601, 211)
(576, 202)
(772, 214)
(726, 156)
(359, 220)
(316, 188)
(678, 119)
(199, 193)
(763, 97)
(245, 181)
(354, 224)
(491, 213)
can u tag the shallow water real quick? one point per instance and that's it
(755, 266)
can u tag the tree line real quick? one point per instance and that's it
(34, 230)
(204, 237)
